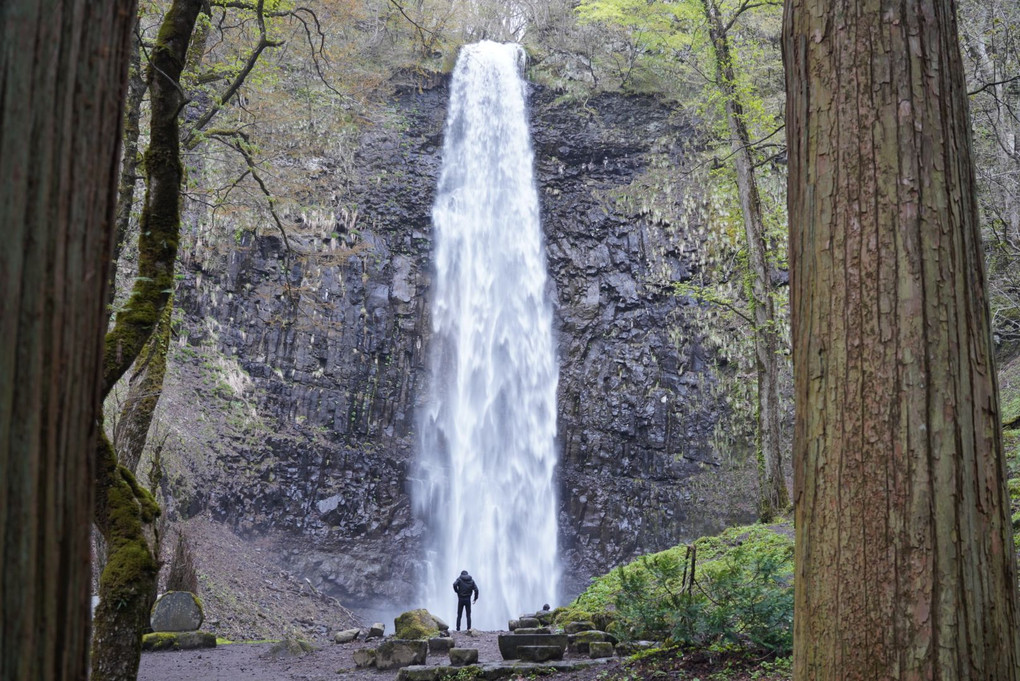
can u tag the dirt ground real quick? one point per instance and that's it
(250, 662)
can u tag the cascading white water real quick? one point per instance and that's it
(484, 485)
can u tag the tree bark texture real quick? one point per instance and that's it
(129, 160)
(62, 69)
(773, 495)
(144, 389)
(904, 554)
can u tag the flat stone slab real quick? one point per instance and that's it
(176, 611)
(494, 671)
(539, 653)
(440, 644)
(509, 643)
(178, 640)
(523, 631)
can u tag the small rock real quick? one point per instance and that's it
(513, 624)
(528, 622)
(440, 644)
(463, 656)
(377, 630)
(288, 648)
(598, 649)
(630, 647)
(364, 657)
(346, 636)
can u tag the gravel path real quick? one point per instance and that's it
(248, 662)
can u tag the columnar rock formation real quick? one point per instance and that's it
(325, 345)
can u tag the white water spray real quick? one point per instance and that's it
(484, 485)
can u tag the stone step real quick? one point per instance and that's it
(509, 643)
(495, 671)
(539, 653)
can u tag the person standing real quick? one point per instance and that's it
(465, 586)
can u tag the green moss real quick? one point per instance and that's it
(159, 640)
(415, 624)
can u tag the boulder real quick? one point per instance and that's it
(440, 624)
(176, 611)
(509, 643)
(415, 624)
(598, 649)
(463, 656)
(178, 640)
(364, 657)
(539, 653)
(580, 641)
(440, 644)
(513, 624)
(397, 653)
(523, 631)
(346, 636)
(528, 622)
(375, 631)
(575, 627)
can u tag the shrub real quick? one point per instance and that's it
(734, 590)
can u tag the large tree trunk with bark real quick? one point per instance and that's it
(773, 497)
(904, 552)
(62, 71)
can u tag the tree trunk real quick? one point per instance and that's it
(904, 553)
(122, 506)
(773, 495)
(144, 390)
(129, 159)
(62, 71)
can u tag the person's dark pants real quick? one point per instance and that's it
(461, 606)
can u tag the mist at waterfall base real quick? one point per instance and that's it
(484, 481)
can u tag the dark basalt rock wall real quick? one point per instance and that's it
(334, 336)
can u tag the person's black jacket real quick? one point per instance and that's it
(465, 586)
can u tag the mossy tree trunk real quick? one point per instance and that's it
(773, 497)
(904, 549)
(145, 385)
(62, 70)
(122, 506)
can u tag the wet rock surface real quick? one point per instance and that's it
(331, 339)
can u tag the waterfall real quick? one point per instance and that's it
(484, 483)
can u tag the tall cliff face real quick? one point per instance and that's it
(326, 344)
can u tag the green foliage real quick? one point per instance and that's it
(737, 592)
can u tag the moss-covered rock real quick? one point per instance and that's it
(178, 640)
(416, 624)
